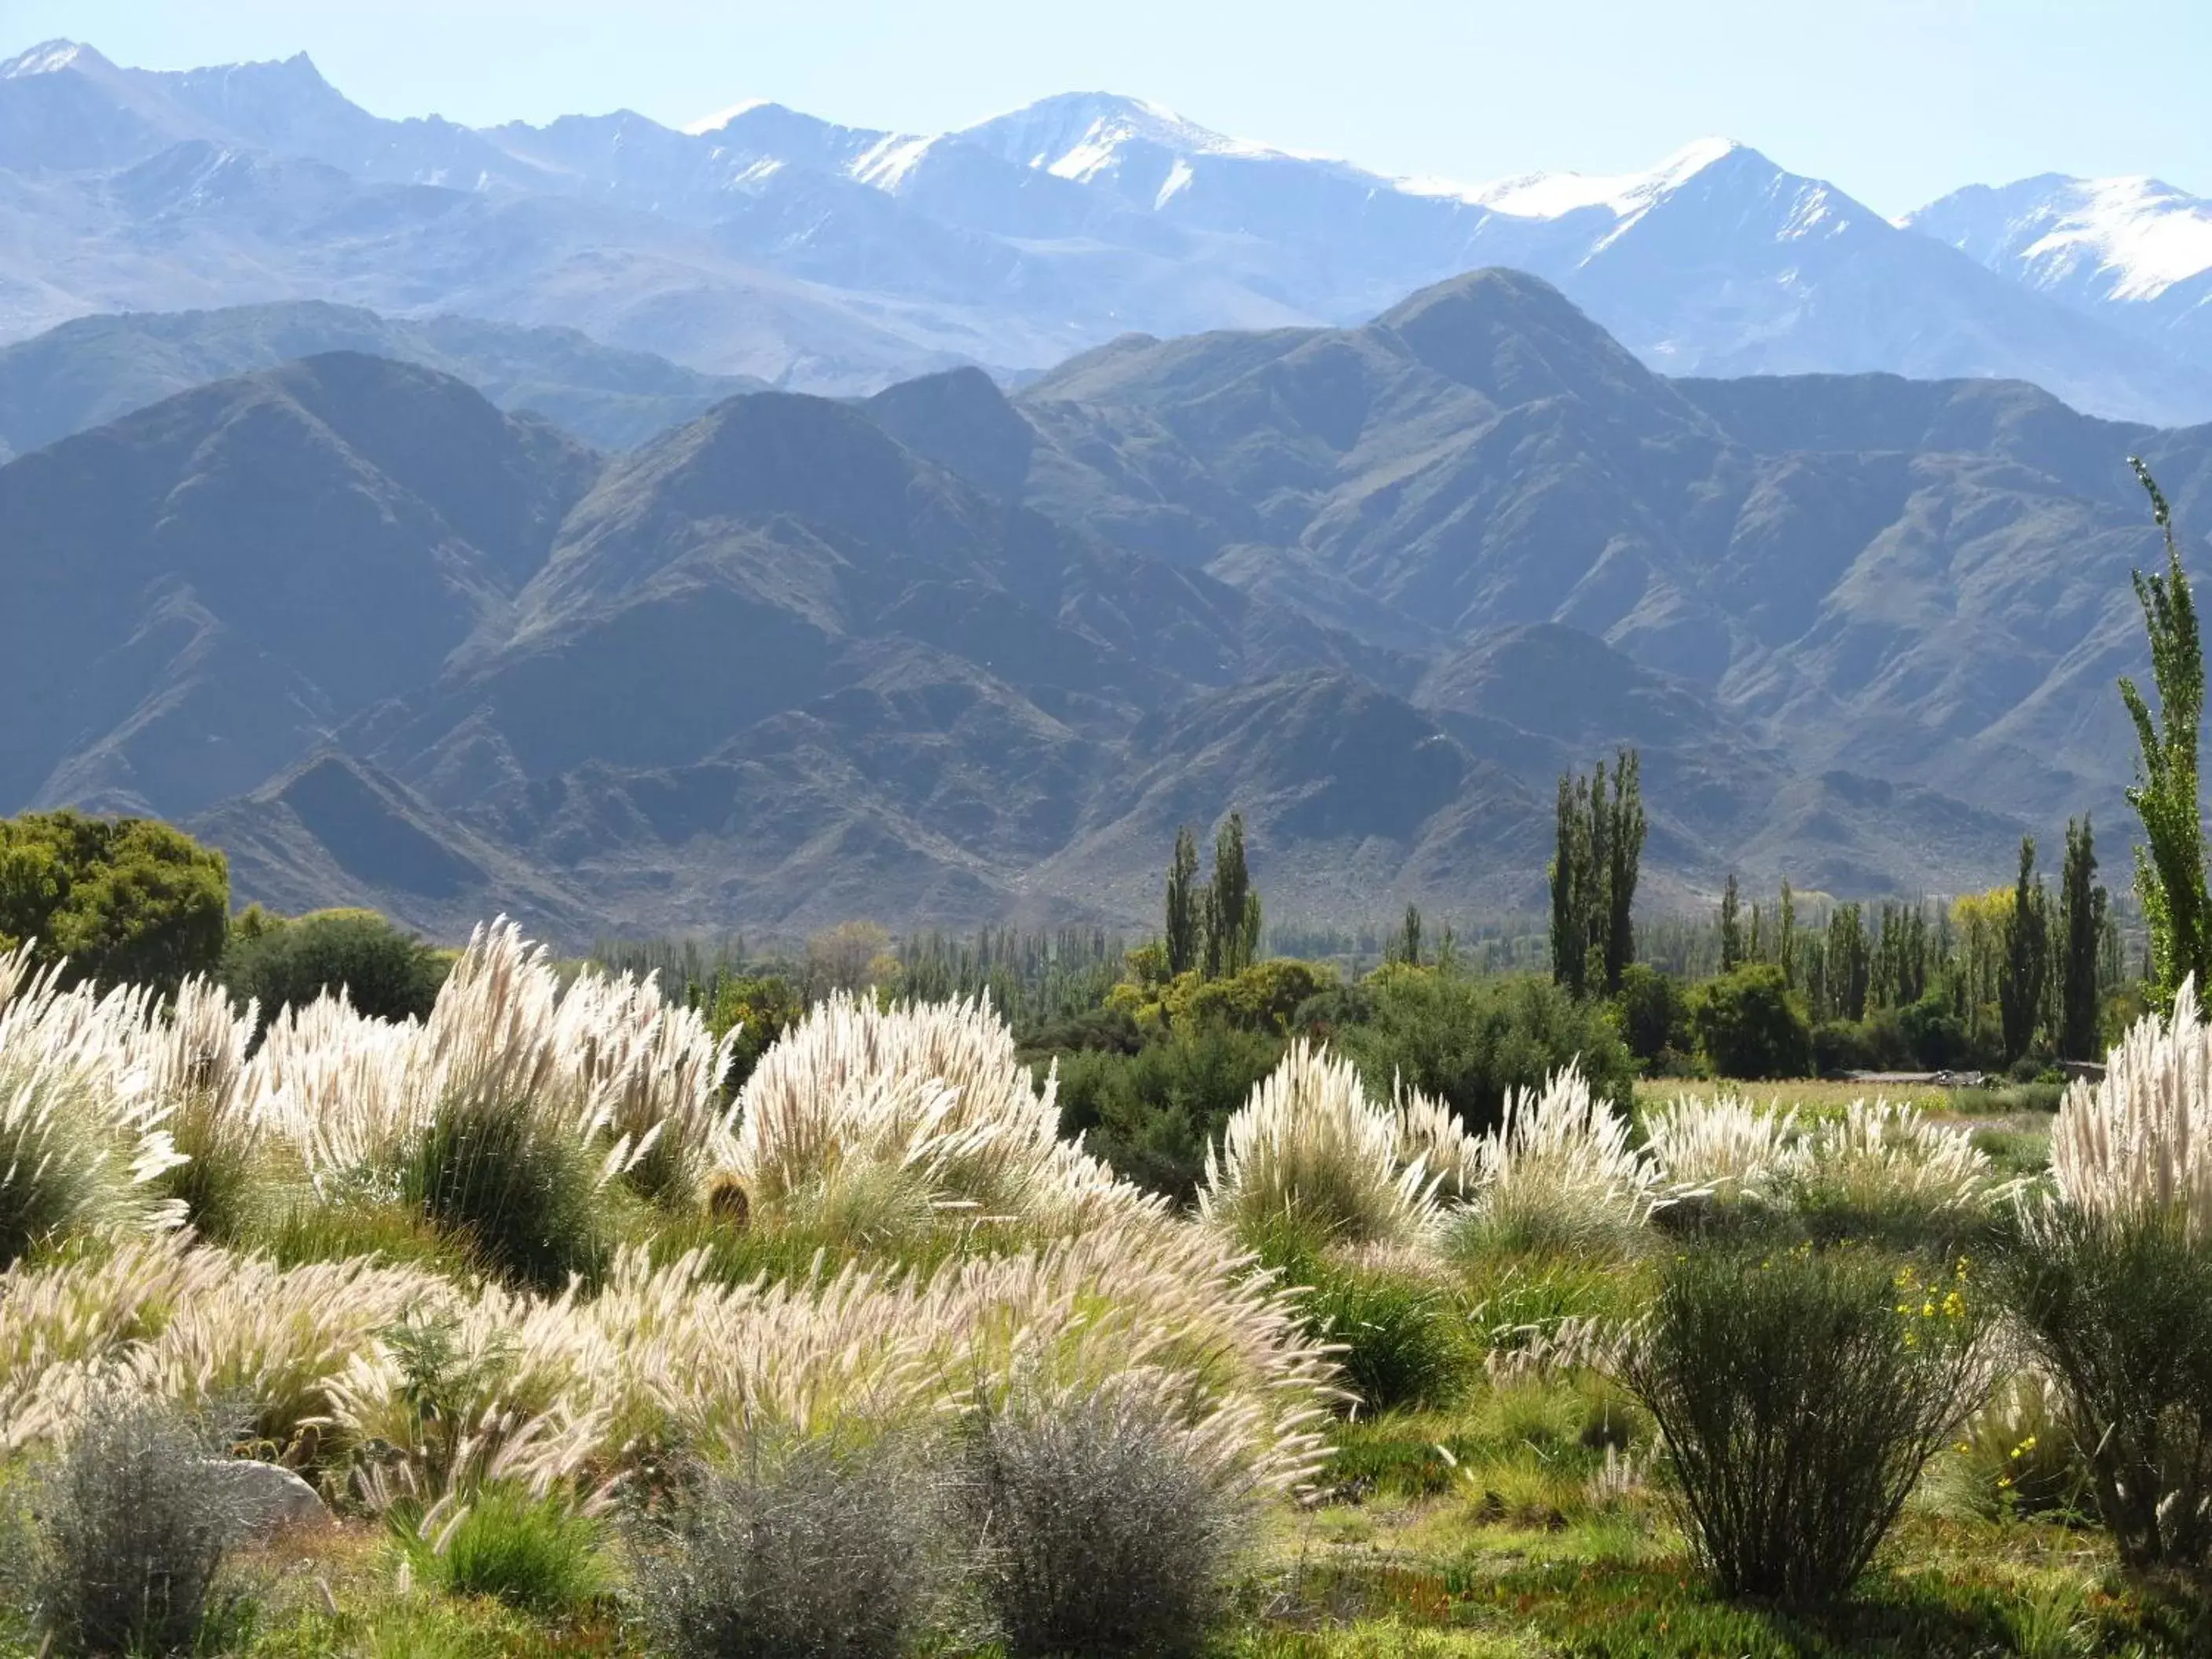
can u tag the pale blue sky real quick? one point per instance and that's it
(1896, 101)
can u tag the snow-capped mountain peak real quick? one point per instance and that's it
(45, 58)
(1554, 195)
(722, 117)
(1081, 134)
(2124, 240)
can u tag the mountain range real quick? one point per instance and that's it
(767, 243)
(946, 652)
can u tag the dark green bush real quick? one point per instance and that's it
(385, 971)
(1151, 1114)
(1750, 1024)
(1468, 1039)
(1934, 1032)
(2120, 1313)
(132, 1536)
(1402, 1338)
(1799, 1396)
(123, 899)
(1655, 1013)
(1097, 1530)
(797, 1552)
(535, 1554)
(520, 1198)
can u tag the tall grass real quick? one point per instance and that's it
(1559, 1173)
(1311, 1151)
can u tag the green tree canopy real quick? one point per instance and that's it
(119, 899)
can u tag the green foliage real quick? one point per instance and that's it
(1468, 1040)
(524, 1201)
(1655, 1013)
(1599, 844)
(1099, 1529)
(2027, 958)
(2119, 1311)
(1932, 1033)
(1799, 1396)
(132, 1534)
(536, 1554)
(2170, 876)
(1262, 997)
(2083, 914)
(760, 1008)
(1403, 1339)
(1232, 905)
(123, 899)
(1184, 938)
(1749, 1023)
(385, 971)
(1151, 1114)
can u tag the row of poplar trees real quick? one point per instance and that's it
(1593, 874)
(1213, 930)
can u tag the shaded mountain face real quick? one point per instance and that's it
(945, 654)
(194, 594)
(838, 259)
(89, 372)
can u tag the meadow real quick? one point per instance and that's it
(580, 1354)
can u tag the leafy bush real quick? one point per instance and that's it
(1799, 1397)
(1265, 997)
(133, 1534)
(385, 971)
(537, 1554)
(123, 900)
(2118, 1309)
(759, 1008)
(1654, 1012)
(1933, 1030)
(1750, 1024)
(515, 1194)
(1152, 1114)
(1470, 1041)
(1103, 1526)
(803, 1550)
(1400, 1334)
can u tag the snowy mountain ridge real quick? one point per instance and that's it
(765, 241)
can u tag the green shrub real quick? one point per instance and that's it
(2119, 1311)
(383, 970)
(125, 900)
(1100, 1527)
(1750, 1024)
(802, 1550)
(132, 1536)
(535, 1554)
(1151, 1114)
(522, 1200)
(1934, 1032)
(1468, 1040)
(1799, 1396)
(761, 1008)
(1655, 1013)
(1404, 1342)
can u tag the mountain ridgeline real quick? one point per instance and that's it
(768, 243)
(946, 653)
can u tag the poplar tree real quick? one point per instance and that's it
(1624, 847)
(1186, 907)
(1232, 905)
(1849, 964)
(2082, 907)
(1731, 928)
(2170, 867)
(1571, 876)
(1598, 846)
(2026, 959)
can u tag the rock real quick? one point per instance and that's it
(270, 1497)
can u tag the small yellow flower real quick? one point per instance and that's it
(2003, 1481)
